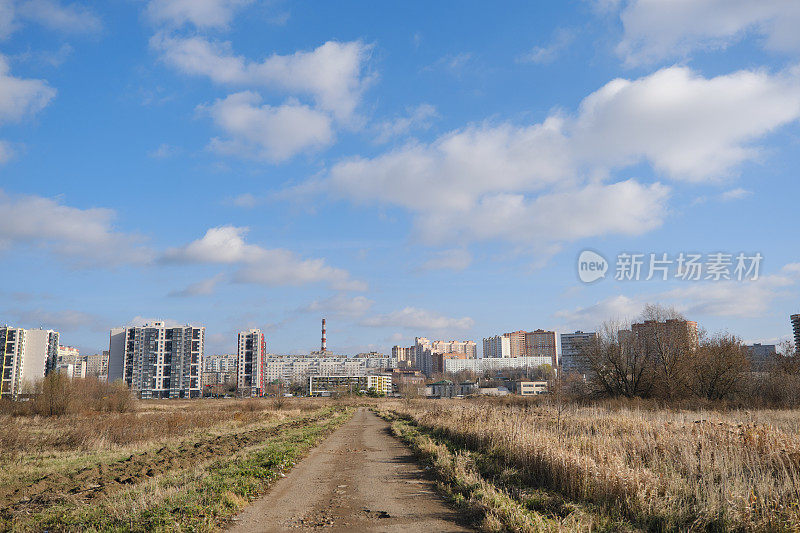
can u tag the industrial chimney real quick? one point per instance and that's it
(324, 338)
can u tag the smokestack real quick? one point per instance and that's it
(324, 338)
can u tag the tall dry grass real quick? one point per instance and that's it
(661, 469)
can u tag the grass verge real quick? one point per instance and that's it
(491, 495)
(202, 498)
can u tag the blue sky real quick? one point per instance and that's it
(410, 169)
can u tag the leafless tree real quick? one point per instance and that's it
(617, 367)
(719, 367)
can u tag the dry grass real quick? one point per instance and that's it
(660, 469)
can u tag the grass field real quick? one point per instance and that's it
(171, 465)
(533, 467)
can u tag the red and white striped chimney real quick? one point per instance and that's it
(324, 338)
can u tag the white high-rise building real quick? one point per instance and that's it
(156, 361)
(497, 346)
(251, 363)
(28, 355)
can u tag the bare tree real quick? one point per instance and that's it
(617, 367)
(719, 366)
(667, 342)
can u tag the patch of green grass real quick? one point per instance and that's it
(201, 499)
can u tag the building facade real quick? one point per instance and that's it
(573, 359)
(541, 343)
(796, 327)
(516, 343)
(251, 363)
(497, 346)
(97, 365)
(333, 385)
(404, 356)
(493, 364)
(28, 356)
(424, 350)
(156, 361)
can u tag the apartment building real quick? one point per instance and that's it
(333, 385)
(573, 359)
(516, 341)
(541, 343)
(97, 365)
(796, 327)
(298, 368)
(651, 336)
(424, 350)
(251, 363)
(493, 364)
(497, 346)
(157, 361)
(404, 356)
(28, 355)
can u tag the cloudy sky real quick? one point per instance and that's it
(416, 168)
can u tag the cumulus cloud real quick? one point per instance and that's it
(274, 133)
(84, 237)
(418, 319)
(548, 182)
(661, 29)
(200, 13)
(332, 74)
(226, 245)
(340, 305)
(20, 98)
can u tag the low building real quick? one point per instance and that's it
(441, 389)
(335, 385)
(493, 391)
(530, 388)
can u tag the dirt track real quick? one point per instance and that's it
(360, 479)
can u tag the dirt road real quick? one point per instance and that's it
(360, 479)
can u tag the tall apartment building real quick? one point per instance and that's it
(97, 365)
(156, 361)
(674, 331)
(516, 340)
(251, 363)
(541, 343)
(572, 346)
(497, 346)
(425, 349)
(404, 356)
(796, 328)
(28, 355)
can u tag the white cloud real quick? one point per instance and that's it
(735, 194)
(200, 13)
(201, 288)
(419, 117)
(272, 133)
(20, 97)
(545, 182)
(164, 151)
(547, 54)
(452, 259)
(662, 29)
(85, 237)
(419, 319)
(332, 73)
(341, 305)
(226, 245)
(738, 299)
(53, 15)
(72, 18)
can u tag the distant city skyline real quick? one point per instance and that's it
(402, 171)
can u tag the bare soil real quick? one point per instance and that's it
(102, 479)
(360, 479)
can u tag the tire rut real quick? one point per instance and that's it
(93, 482)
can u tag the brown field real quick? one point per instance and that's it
(166, 465)
(532, 466)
